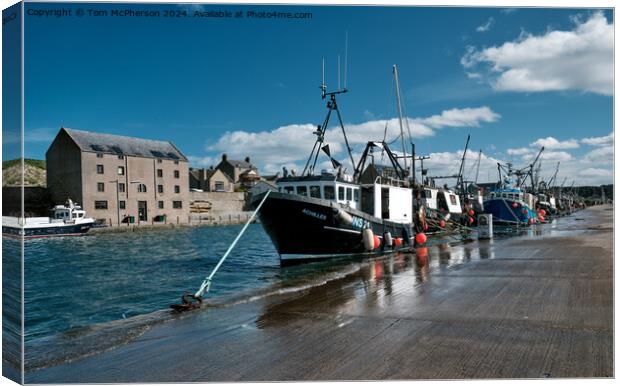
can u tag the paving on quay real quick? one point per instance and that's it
(530, 306)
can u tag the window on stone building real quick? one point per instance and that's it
(176, 174)
(121, 170)
(121, 204)
(177, 204)
(101, 205)
(100, 186)
(99, 169)
(177, 189)
(160, 188)
(141, 188)
(160, 173)
(121, 187)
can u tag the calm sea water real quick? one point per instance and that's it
(75, 282)
(78, 281)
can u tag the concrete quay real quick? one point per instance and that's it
(539, 305)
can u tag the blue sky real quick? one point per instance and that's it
(512, 78)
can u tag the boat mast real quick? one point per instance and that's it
(461, 186)
(400, 114)
(320, 132)
(478, 166)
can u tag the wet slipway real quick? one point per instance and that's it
(536, 305)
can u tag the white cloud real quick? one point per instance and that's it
(603, 155)
(595, 172)
(592, 168)
(599, 141)
(580, 59)
(519, 151)
(448, 163)
(554, 156)
(552, 143)
(291, 145)
(466, 117)
(270, 150)
(203, 162)
(486, 26)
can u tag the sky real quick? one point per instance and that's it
(514, 79)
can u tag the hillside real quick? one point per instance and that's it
(34, 172)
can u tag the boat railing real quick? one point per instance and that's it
(391, 181)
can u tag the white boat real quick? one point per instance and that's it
(67, 220)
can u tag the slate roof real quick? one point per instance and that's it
(241, 164)
(122, 145)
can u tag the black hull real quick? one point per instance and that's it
(65, 230)
(303, 228)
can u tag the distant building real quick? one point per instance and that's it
(210, 180)
(242, 173)
(116, 178)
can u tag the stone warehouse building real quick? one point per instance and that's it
(116, 178)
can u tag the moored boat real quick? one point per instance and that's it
(333, 213)
(67, 220)
(510, 206)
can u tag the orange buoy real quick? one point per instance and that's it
(420, 238)
(514, 205)
(377, 243)
(530, 221)
(442, 224)
(471, 212)
(542, 211)
(398, 242)
(471, 220)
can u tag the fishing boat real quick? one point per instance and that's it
(334, 213)
(67, 220)
(511, 205)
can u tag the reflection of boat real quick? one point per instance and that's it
(67, 220)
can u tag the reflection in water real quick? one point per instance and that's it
(378, 283)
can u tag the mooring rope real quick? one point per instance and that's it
(206, 284)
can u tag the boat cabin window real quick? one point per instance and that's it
(349, 194)
(62, 215)
(452, 199)
(302, 190)
(328, 192)
(289, 189)
(315, 191)
(341, 193)
(356, 195)
(428, 193)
